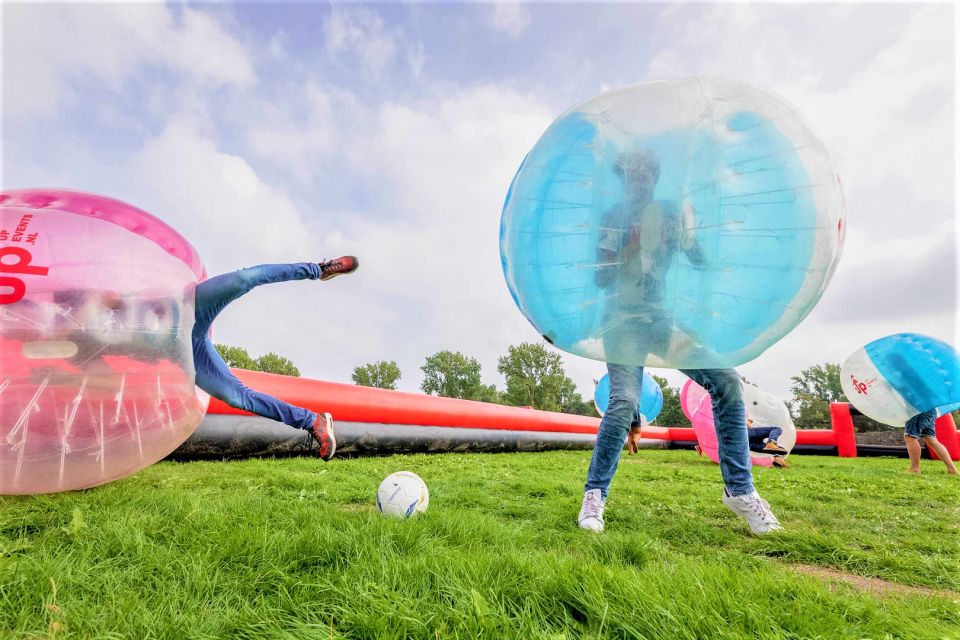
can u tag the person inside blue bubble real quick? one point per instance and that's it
(641, 238)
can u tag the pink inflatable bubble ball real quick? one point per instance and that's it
(760, 406)
(96, 314)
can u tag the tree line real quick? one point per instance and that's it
(534, 377)
(239, 358)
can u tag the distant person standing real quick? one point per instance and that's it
(922, 426)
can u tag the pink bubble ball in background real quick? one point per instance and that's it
(96, 365)
(763, 408)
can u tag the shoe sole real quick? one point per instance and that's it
(590, 529)
(334, 275)
(333, 438)
(747, 522)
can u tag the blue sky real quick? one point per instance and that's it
(272, 132)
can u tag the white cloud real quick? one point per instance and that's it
(301, 132)
(433, 259)
(510, 17)
(201, 48)
(216, 200)
(416, 58)
(359, 39)
(430, 275)
(277, 48)
(360, 34)
(57, 46)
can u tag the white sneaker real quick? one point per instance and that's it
(754, 510)
(591, 513)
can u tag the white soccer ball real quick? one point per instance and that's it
(402, 494)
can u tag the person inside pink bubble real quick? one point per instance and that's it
(102, 323)
(213, 375)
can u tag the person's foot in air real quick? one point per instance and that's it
(338, 267)
(755, 510)
(322, 432)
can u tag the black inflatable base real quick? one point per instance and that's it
(232, 436)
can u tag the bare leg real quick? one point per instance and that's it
(913, 450)
(942, 453)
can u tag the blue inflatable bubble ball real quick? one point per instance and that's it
(651, 397)
(892, 379)
(685, 223)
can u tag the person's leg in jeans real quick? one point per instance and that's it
(760, 436)
(214, 294)
(213, 375)
(625, 387)
(729, 419)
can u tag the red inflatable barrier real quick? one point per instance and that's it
(844, 434)
(948, 436)
(816, 437)
(674, 434)
(353, 403)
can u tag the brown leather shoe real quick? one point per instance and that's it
(773, 447)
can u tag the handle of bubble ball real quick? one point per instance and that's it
(632, 246)
(688, 235)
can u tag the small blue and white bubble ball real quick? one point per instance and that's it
(685, 223)
(897, 377)
(402, 494)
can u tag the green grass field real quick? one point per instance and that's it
(296, 549)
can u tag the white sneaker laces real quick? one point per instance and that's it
(592, 507)
(761, 508)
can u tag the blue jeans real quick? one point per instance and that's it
(757, 435)
(922, 425)
(726, 394)
(213, 375)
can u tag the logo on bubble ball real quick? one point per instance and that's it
(20, 266)
(861, 386)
